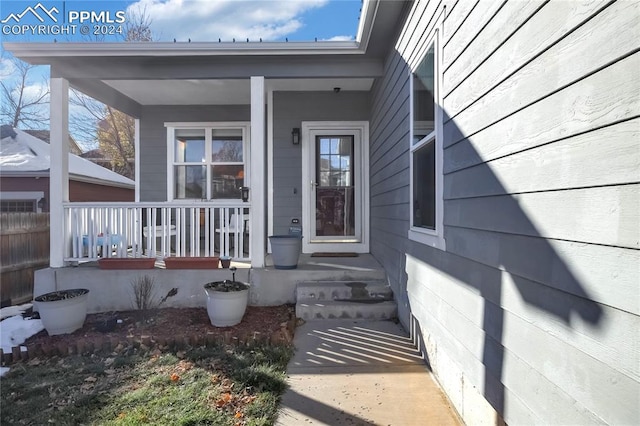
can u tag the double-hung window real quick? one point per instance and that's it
(207, 161)
(426, 221)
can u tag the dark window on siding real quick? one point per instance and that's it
(423, 154)
(424, 186)
(23, 206)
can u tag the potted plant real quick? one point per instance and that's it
(227, 301)
(63, 311)
(225, 261)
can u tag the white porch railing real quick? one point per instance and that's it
(147, 229)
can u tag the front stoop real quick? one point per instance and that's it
(371, 300)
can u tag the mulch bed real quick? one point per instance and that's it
(167, 328)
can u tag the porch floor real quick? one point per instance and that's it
(363, 262)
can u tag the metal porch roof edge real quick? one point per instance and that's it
(26, 50)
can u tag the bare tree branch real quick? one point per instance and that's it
(98, 124)
(21, 107)
(138, 26)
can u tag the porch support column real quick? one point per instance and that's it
(137, 158)
(59, 168)
(258, 176)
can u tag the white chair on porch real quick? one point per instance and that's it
(168, 230)
(237, 224)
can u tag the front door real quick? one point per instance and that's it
(335, 187)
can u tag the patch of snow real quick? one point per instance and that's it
(11, 311)
(15, 330)
(16, 155)
(26, 153)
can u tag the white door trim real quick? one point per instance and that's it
(362, 180)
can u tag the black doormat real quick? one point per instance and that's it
(342, 254)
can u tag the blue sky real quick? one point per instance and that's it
(198, 20)
(297, 20)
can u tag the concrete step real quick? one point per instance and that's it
(310, 310)
(271, 286)
(372, 300)
(337, 290)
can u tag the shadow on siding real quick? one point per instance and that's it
(542, 277)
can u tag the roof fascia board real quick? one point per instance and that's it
(365, 26)
(54, 50)
(97, 181)
(201, 68)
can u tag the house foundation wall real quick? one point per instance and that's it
(111, 290)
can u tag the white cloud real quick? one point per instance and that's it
(341, 38)
(6, 68)
(224, 19)
(35, 90)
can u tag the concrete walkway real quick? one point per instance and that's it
(349, 372)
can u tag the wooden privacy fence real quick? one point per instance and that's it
(24, 248)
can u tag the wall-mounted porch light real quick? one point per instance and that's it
(244, 193)
(295, 135)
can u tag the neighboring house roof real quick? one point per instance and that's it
(24, 154)
(44, 135)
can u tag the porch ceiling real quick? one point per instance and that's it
(222, 91)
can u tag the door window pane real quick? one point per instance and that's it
(335, 214)
(334, 156)
(335, 210)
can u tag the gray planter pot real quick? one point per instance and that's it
(63, 311)
(285, 250)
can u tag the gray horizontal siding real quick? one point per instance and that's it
(290, 109)
(153, 139)
(534, 304)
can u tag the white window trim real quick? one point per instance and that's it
(433, 238)
(208, 128)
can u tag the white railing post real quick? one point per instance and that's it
(116, 229)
